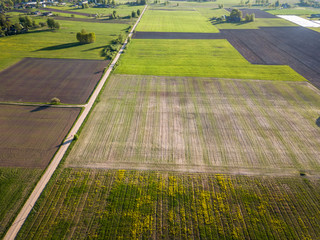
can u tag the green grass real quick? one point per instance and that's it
(202, 58)
(58, 44)
(316, 29)
(175, 21)
(97, 204)
(15, 185)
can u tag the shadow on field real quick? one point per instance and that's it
(90, 49)
(40, 108)
(318, 122)
(61, 46)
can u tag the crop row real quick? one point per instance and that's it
(174, 122)
(119, 204)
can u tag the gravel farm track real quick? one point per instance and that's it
(40, 79)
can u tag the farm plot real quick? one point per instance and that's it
(297, 47)
(15, 186)
(194, 124)
(39, 80)
(175, 21)
(196, 58)
(31, 135)
(58, 44)
(87, 204)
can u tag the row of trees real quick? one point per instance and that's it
(24, 25)
(236, 16)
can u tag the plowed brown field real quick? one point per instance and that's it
(31, 135)
(39, 80)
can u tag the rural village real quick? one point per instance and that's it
(159, 119)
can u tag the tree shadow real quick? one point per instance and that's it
(61, 46)
(95, 48)
(40, 108)
(318, 122)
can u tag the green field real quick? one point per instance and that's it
(58, 44)
(201, 124)
(175, 21)
(15, 185)
(96, 204)
(202, 58)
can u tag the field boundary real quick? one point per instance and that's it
(28, 206)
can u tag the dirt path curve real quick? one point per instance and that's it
(24, 212)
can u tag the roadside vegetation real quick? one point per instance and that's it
(98, 204)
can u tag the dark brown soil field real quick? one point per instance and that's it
(176, 35)
(39, 80)
(297, 47)
(31, 135)
(258, 13)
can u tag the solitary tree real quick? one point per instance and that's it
(133, 14)
(138, 12)
(52, 23)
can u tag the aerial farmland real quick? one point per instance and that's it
(201, 127)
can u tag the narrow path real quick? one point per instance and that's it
(24, 212)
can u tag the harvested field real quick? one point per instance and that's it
(297, 47)
(201, 124)
(176, 35)
(85, 204)
(15, 185)
(196, 58)
(257, 12)
(39, 80)
(31, 135)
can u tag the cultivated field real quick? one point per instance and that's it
(93, 204)
(58, 44)
(297, 47)
(194, 124)
(15, 186)
(197, 58)
(40, 79)
(175, 21)
(31, 135)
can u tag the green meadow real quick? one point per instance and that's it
(45, 43)
(175, 21)
(201, 58)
